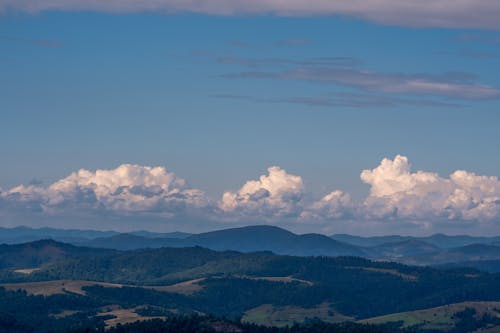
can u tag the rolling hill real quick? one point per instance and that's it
(402, 249)
(35, 254)
(235, 284)
(439, 240)
(23, 234)
(474, 252)
(434, 250)
(230, 283)
(245, 239)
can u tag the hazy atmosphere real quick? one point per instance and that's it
(363, 117)
(249, 166)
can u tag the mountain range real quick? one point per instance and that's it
(438, 249)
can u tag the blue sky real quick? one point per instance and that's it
(219, 99)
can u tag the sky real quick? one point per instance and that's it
(365, 117)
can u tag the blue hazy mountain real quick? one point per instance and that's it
(437, 249)
(401, 249)
(24, 234)
(439, 240)
(245, 239)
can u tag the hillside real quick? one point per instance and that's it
(439, 240)
(465, 316)
(400, 250)
(133, 241)
(304, 280)
(261, 286)
(474, 252)
(369, 241)
(245, 239)
(25, 234)
(432, 250)
(35, 254)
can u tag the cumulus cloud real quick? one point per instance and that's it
(333, 206)
(125, 190)
(275, 195)
(429, 13)
(397, 192)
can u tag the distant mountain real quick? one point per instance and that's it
(245, 239)
(23, 234)
(316, 244)
(133, 242)
(437, 249)
(149, 234)
(35, 254)
(468, 253)
(404, 248)
(270, 238)
(448, 242)
(369, 241)
(439, 240)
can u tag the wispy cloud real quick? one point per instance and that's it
(456, 85)
(416, 13)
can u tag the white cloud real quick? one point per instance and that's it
(141, 192)
(398, 192)
(124, 190)
(429, 13)
(333, 206)
(278, 194)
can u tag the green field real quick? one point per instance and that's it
(54, 287)
(270, 315)
(125, 316)
(438, 318)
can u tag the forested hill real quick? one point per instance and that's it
(245, 239)
(37, 253)
(255, 286)
(309, 280)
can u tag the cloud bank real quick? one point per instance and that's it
(397, 194)
(415, 13)
(128, 189)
